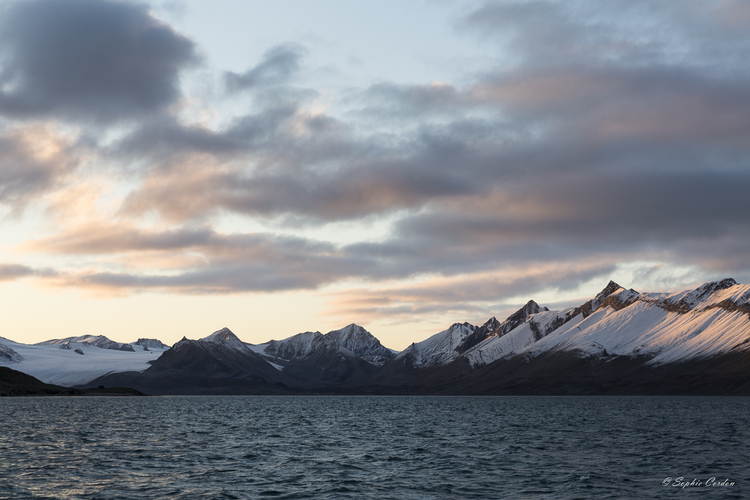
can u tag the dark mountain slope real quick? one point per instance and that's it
(218, 364)
(15, 383)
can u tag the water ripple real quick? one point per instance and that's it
(371, 447)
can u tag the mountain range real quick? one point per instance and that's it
(619, 342)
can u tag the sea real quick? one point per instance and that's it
(379, 447)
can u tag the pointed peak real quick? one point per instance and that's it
(458, 326)
(608, 290)
(491, 323)
(532, 307)
(352, 327)
(611, 287)
(351, 330)
(224, 336)
(183, 341)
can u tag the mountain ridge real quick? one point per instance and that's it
(645, 332)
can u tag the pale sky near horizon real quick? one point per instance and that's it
(170, 168)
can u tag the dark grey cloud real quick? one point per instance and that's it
(88, 59)
(366, 185)
(605, 104)
(279, 65)
(164, 138)
(591, 211)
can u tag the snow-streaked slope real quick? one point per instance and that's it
(440, 348)
(701, 322)
(525, 334)
(712, 319)
(53, 365)
(708, 295)
(463, 339)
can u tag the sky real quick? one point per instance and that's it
(170, 168)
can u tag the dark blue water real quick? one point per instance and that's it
(373, 447)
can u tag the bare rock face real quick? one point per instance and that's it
(79, 351)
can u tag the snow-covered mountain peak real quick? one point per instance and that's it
(490, 325)
(151, 344)
(706, 295)
(620, 299)
(611, 287)
(355, 340)
(350, 341)
(348, 334)
(608, 290)
(441, 348)
(624, 322)
(530, 308)
(99, 341)
(592, 305)
(225, 337)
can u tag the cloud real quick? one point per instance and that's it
(597, 141)
(10, 272)
(197, 260)
(106, 238)
(95, 60)
(279, 64)
(546, 33)
(33, 159)
(168, 141)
